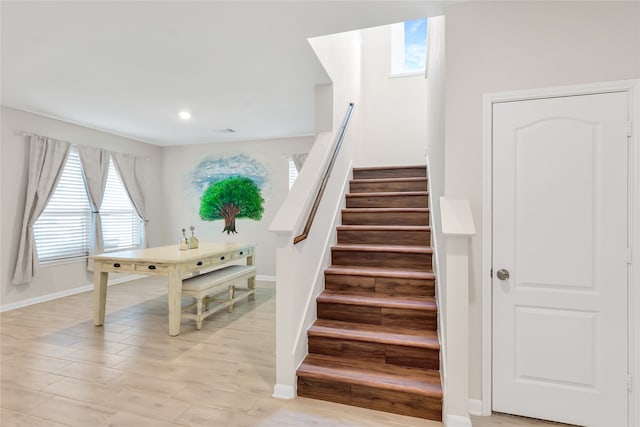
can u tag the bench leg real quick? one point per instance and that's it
(199, 314)
(251, 284)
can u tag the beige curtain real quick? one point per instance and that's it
(46, 162)
(126, 166)
(95, 169)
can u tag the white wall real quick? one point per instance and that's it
(341, 56)
(500, 46)
(14, 159)
(300, 267)
(435, 153)
(435, 117)
(323, 108)
(182, 200)
(395, 109)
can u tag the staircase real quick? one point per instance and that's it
(375, 342)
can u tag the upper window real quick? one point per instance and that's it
(409, 47)
(63, 230)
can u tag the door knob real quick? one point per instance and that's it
(503, 274)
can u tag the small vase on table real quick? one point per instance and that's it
(193, 240)
(184, 241)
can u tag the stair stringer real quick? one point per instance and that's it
(440, 292)
(309, 316)
(296, 288)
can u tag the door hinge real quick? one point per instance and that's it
(629, 128)
(629, 382)
(629, 256)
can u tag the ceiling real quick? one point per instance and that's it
(129, 67)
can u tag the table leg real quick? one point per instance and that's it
(231, 293)
(99, 295)
(175, 300)
(251, 283)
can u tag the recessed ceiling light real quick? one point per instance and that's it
(184, 115)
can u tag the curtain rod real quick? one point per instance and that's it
(23, 133)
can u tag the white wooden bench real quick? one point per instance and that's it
(208, 287)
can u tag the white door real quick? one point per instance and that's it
(560, 177)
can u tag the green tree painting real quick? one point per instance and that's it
(231, 198)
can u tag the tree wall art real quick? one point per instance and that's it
(231, 198)
(230, 187)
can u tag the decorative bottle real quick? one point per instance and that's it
(184, 241)
(193, 240)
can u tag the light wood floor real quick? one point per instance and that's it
(57, 369)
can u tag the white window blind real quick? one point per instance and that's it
(63, 229)
(293, 173)
(121, 225)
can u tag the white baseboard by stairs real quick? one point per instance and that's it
(457, 421)
(475, 407)
(281, 391)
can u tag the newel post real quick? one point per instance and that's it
(458, 228)
(285, 386)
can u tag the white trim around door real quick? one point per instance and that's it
(633, 88)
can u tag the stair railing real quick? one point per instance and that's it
(325, 177)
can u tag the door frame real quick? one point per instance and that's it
(633, 276)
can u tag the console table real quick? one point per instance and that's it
(167, 261)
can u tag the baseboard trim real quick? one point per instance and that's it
(285, 392)
(475, 407)
(457, 421)
(66, 293)
(85, 288)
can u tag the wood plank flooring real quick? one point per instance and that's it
(57, 369)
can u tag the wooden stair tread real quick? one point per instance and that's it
(374, 300)
(385, 210)
(374, 333)
(376, 180)
(382, 248)
(364, 227)
(384, 168)
(402, 273)
(424, 382)
(388, 194)
(375, 343)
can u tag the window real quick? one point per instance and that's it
(293, 173)
(409, 47)
(63, 230)
(121, 225)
